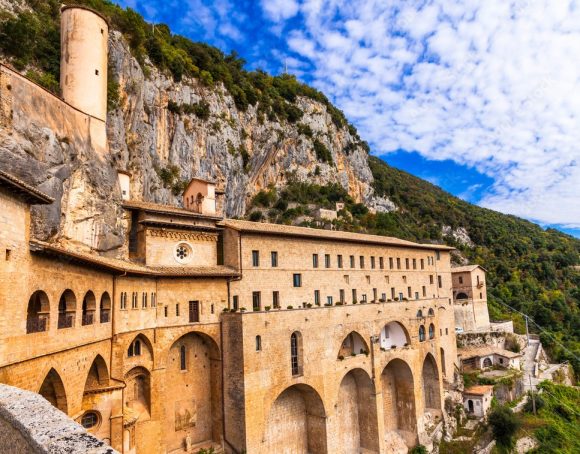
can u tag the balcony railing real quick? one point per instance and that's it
(36, 325)
(88, 319)
(105, 316)
(65, 321)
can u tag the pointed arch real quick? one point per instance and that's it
(357, 413)
(138, 391)
(353, 344)
(98, 375)
(394, 334)
(140, 346)
(430, 378)
(399, 400)
(38, 313)
(296, 422)
(52, 389)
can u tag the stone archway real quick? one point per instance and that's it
(357, 414)
(193, 398)
(52, 389)
(430, 379)
(296, 422)
(399, 401)
(353, 344)
(38, 313)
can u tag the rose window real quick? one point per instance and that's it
(183, 253)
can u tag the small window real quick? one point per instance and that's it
(346, 278)
(364, 297)
(480, 295)
(134, 348)
(416, 295)
(182, 358)
(256, 301)
(401, 297)
(352, 261)
(405, 279)
(96, 72)
(314, 260)
(339, 261)
(381, 263)
(409, 292)
(274, 257)
(414, 264)
(398, 263)
(431, 331)
(297, 280)
(354, 300)
(255, 258)
(391, 263)
(275, 299)
(393, 293)
(386, 279)
(235, 301)
(341, 295)
(327, 260)
(90, 419)
(177, 310)
(438, 255)
(153, 299)
(375, 294)
(446, 331)
(430, 279)
(440, 281)
(165, 311)
(407, 264)
(144, 300)
(134, 300)
(212, 309)
(329, 300)
(422, 264)
(368, 278)
(421, 333)
(372, 262)
(8, 254)
(424, 291)
(258, 343)
(362, 261)
(317, 297)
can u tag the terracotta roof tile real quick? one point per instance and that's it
(26, 191)
(164, 209)
(466, 268)
(278, 229)
(479, 390)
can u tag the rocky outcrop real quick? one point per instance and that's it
(151, 133)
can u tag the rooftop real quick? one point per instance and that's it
(165, 209)
(466, 268)
(334, 235)
(123, 266)
(27, 192)
(471, 352)
(479, 390)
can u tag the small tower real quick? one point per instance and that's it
(200, 197)
(83, 63)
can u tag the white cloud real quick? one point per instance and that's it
(492, 84)
(278, 10)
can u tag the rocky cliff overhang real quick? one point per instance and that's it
(23, 190)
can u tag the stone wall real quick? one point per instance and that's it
(30, 424)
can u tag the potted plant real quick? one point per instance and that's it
(267, 308)
(393, 347)
(309, 305)
(341, 358)
(289, 307)
(242, 309)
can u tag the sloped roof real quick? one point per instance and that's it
(165, 209)
(122, 266)
(25, 191)
(479, 390)
(335, 235)
(471, 352)
(466, 268)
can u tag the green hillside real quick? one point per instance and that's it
(529, 269)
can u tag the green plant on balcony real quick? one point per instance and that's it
(242, 309)
(353, 354)
(267, 308)
(309, 305)
(289, 307)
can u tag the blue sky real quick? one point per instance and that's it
(479, 97)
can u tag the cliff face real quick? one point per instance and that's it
(156, 136)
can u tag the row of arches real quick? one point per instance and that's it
(38, 311)
(298, 416)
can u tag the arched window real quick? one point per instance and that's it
(258, 343)
(421, 333)
(461, 296)
(487, 362)
(134, 348)
(431, 331)
(182, 358)
(105, 308)
(90, 419)
(431, 312)
(89, 306)
(66, 309)
(38, 313)
(296, 353)
(419, 313)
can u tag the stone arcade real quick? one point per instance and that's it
(205, 331)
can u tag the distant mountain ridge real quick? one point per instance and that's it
(277, 147)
